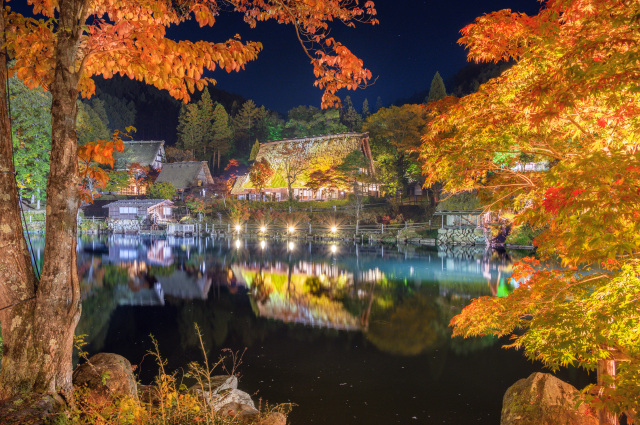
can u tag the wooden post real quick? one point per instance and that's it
(606, 368)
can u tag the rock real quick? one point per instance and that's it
(219, 383)
(274, 418)
(32, 409)
(243, 413)
(219, 400)
(543, 399)
(107, 372)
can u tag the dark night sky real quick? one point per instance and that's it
(413, 41)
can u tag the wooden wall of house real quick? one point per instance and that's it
(114, 212)
(159, 211)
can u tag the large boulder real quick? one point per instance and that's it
(543, 399)
(107, 373)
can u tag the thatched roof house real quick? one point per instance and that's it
(145, 153)
(185, 175)
(329, 149)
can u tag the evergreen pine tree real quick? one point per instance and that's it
(222, 133)
(378, 103)
(365, 109)
(437, 90)
(189, 127)
(205, 121)
(254, 151)
(244, 124)
(349, 116)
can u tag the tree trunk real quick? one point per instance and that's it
(41, 360)
(606, 368)
(16, 272)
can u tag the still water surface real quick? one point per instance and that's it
(351, 334)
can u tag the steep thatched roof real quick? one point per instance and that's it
(331, 149)
(140, 203)
(183, 175)
(141, 152)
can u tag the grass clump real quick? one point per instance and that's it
(168, 401)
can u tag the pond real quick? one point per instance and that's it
(349, 333)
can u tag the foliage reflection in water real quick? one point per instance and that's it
(349, 333)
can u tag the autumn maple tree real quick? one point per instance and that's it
(259, 174)
(555, 140)
(67, 43)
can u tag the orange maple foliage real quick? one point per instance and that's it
(129, 38)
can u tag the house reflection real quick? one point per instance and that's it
(306, 292)
(151, 271)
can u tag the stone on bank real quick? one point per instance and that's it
(543, 399)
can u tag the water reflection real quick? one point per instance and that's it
(314, 317)
(402, 298)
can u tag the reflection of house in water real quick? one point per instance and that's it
(301, 293)
(160, 253)
(186, 286)
(150, 286)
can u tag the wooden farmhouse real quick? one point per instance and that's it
(145, 153)
(151, 210)
(308, 153)
(186, 176)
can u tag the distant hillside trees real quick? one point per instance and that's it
(31, 133)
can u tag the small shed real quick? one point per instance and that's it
(186, 175)
(154, 210)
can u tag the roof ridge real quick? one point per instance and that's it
(320, 136)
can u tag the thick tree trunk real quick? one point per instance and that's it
(606, 368)
(18, 280)
(41, 360)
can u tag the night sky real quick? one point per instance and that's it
(413, 41)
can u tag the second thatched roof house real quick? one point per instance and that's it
(185, 175)
(146, 153)
(305, 154)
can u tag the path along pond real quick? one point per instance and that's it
(351, 334)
